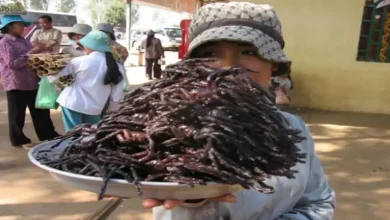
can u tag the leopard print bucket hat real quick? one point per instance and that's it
(241, 22)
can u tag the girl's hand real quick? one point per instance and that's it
(170, 204)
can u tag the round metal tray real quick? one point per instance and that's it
(121, 188)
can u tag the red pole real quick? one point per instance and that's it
(185, 24)
(185, 41)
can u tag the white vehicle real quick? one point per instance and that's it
(170, 36)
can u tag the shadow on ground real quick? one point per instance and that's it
(354, 150)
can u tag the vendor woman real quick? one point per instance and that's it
(250, 36)
(21, 84)
(98, 79)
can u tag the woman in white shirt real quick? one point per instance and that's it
(98, 78)
(250, 36)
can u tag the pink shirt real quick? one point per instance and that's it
(13, 64)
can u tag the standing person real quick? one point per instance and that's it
(154, 51)
(48, 39)
(75, 35)
(250, 36)
(119, 52)
(98, 78)
(109, 30)
(75, 49)
(21, 84)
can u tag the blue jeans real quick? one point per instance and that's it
(71, 118)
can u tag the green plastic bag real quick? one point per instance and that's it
(126, 87)
(47, 95)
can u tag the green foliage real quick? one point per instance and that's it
(39, 5)
(134, 14)
(111, 11)
(24, 2)
(116, 13)
(97, 9)
(43, 5)
(66, 5)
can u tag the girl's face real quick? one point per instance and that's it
(16, 28)
(77, 37)
(231, 54)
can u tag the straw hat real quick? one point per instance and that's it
(81, 29)
(8, 19)
(241, 22)
(97, 41)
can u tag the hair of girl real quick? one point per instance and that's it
(112, 36)
(149, 40)
(113, 74)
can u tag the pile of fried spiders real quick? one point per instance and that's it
(196, 125)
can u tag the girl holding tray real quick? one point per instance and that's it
(249, 35)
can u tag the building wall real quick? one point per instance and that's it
(322, 40)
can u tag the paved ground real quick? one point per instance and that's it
(354, 150)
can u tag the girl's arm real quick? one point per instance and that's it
(319, 200)
(11, 60)
(68, 70)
